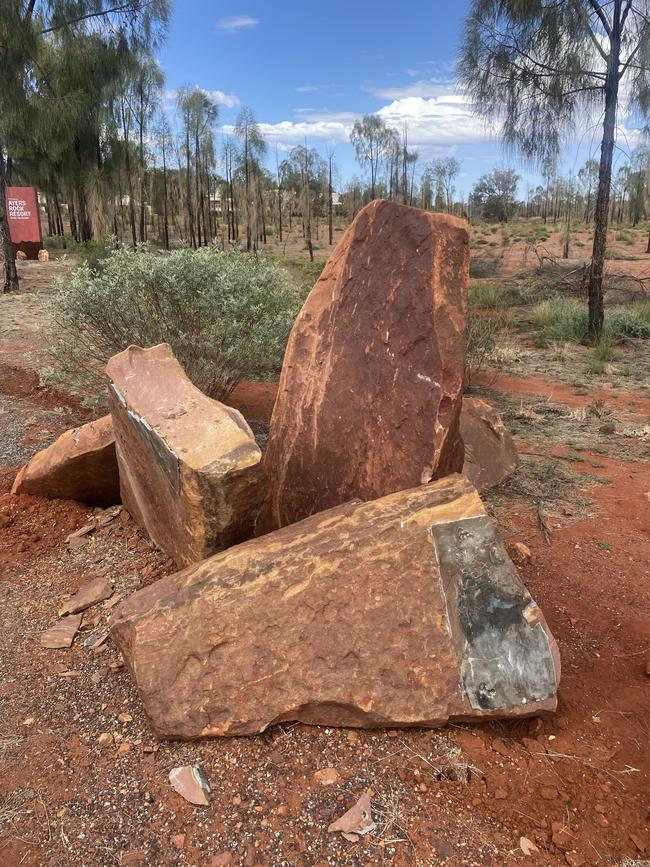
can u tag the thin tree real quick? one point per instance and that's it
(253, 150)
(330, 197)
(370, 138)
(541, 66)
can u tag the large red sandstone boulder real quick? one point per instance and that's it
(79, 465)
(490, 451)
(371, 387)
(403, 611)
(189, 466)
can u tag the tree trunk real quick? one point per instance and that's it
(330, 227)
(143, 235)
(11, 274)
(190, 215)
(165, 212)
(596, 308)
(129, 179)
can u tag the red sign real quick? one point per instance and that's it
(24, 216)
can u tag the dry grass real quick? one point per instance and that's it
(10, 807)
(7, 743)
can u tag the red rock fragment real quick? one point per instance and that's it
(62, 633)
(490, 452)
(90, 594)
(79, 465)
(356, 821)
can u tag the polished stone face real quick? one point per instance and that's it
(502, 642)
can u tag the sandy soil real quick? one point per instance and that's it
(576, 784)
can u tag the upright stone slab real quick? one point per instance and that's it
(370, 392)
(189, 466)
(79, 465)
(490, 451)
(403, 611)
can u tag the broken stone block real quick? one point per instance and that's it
(490, 451)
(371, 388)
(79, 465)
(403, 611)
(190, 470)
(62, 633)
(90, 594)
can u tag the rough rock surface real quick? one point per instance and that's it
(62, 633)
(401, 611)
(490, 451)
(79, 465)
(91, 593)
(370, 393)
(189, 466)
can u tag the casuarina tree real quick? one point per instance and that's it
(542, 68)
(48, 86)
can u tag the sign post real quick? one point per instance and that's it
(24, 219)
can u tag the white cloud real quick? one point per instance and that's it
(221, 98)
(426, 88)
(445, 120)
(435, 124)
(306, 88)
(289, 133)
(233, 23)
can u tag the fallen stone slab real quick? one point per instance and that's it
(371, 388)
(62, 633)
(79, 465)
(403, 611)
(90, 594)
(190, 470)
(490, 451)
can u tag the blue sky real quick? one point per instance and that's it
(310, 70)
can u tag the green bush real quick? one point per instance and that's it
(55, 242)
(493, 295)
(561, 319)
(628, 322)
(567, 319)
(226, 316)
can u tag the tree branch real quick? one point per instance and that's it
(124, 7)
(599, 12)
(590, 32)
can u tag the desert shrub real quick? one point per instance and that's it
(622, 323)
(483, 266)
(493, 295)
(93, 253)
(561, 319)
(304, 272)
(567, 319)
(55, 242)
(226, 316)
(489, 342)
(603, 349)
(615, 254)
(626, 236)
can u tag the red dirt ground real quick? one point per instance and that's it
(575, 784)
